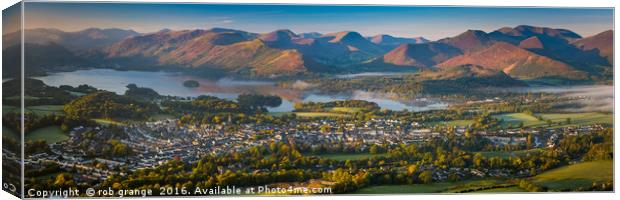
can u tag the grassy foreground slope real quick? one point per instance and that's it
(574, 176)
(440, 187)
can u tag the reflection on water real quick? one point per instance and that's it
(167, 83)
(368, 74)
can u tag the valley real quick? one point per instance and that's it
(510, 109)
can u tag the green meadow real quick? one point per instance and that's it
(558, 119)
(347, 156)
(8, 109)
(50, 134)
(38, 110)
(46, 110)
(577, 175)
(441, 187)
(107, 121)
(8, 133)
(345, 110)
(454, 123)
(510, 189)
(319, 114)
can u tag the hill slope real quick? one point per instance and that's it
(74, 41)
(225, 50)
(515, 62)
(602, 42)
(420, 55)
(39, 59)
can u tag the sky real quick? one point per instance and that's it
(11, 19)
(404, 21)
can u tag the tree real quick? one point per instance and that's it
(458, 162)
(426, 176)
(108, 105)
(530, 140)
(141, 93)
(478, 159)
(411, 169)
(326, 128)
(258, 101)
(373, 149)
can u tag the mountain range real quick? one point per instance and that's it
(522, 52)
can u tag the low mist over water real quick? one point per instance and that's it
(589, 98)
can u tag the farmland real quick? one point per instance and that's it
(348, 156)
(557, 119)
(319, 114)
(6, 132)
(107, 121)
(50, 134)
(46, 110)
(441, 187)
(38, 110)
(574, 176)
(455, 123)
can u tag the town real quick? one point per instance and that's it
(157, 142)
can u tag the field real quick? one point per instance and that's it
(328, 112)
(510, 189)
(25, 98)
(347, 156)
(507, 154)
(319, 114)
(107, 121)
(515, 119)
(405, 189)
(46, 110)
(455, 123)
(7, 109)
(50, 134)
(345, 110)
(8, 133)
(575, 176)
(38, 110)
(77, 94)
(442, 187)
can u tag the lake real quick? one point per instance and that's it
(171, 83)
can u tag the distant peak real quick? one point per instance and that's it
(383, 36)
(528, 30)
(379, 38)
(346, 36)
(607, 32)
(310, 35)
(474, 32)
(165, 30)
(282, 35)
(219, 30)
(525, 27)
(287, 31)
